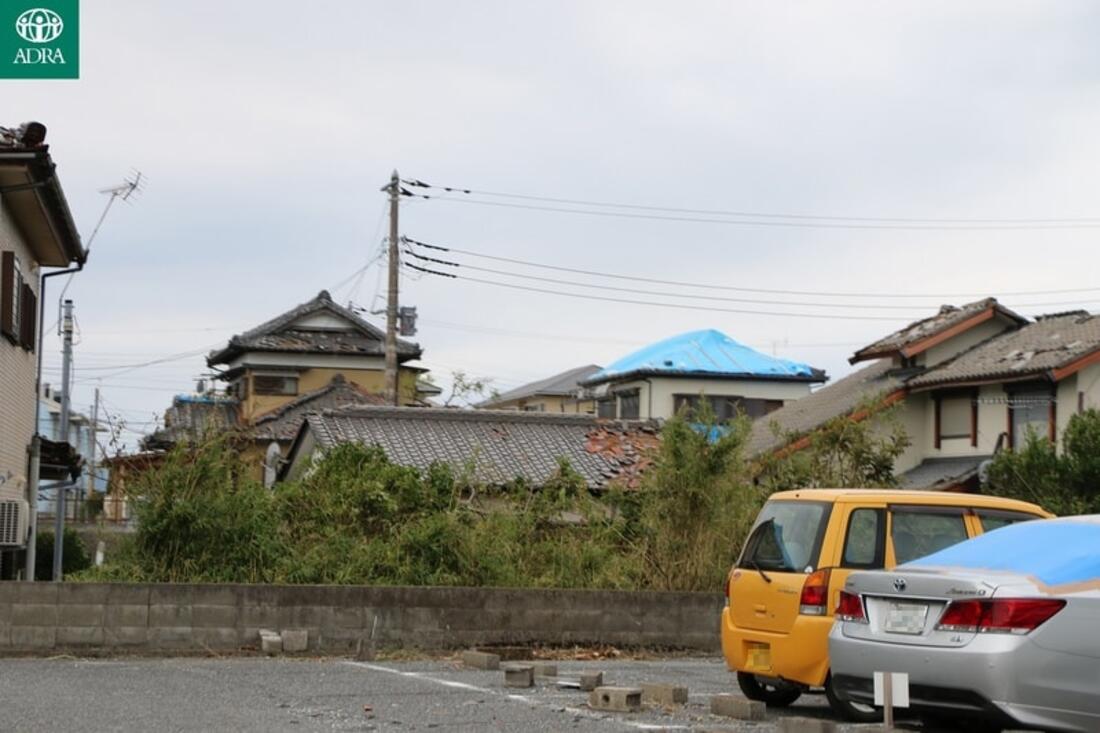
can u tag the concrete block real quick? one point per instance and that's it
(81, 614)
(33, 637)
(664, 694)
(616, 699)
(480, 660)
(83, 593)
(295, 640)
(346, 618)
(123, 636)
(5, 637)
(518, 675)
(162, 614)
(39, 592)
(80, 636)
(169, 637)
(33, 614)
(128, 594)
(210, 637)
(734, 706)
(271, 643)
(804, 725)
(259, 616)
(545, 669)
(591, 680)
(126, 614)
(214, 616)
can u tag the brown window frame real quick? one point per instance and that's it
(258, 390)
(937, 399)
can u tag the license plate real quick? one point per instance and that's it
(759, 656)
(905, 618)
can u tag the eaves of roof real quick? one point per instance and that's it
(818, 375)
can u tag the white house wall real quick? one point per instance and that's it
(260, 359)
(664, 389)
(1088, 383)
(322, 321)
(17, 398)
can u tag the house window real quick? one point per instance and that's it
(1030, 411)
(629, 405)
(956, 417)
(538, 407)
(11, 296)
(725, 407)
(273, 384)
(606, 407)
(239, 388)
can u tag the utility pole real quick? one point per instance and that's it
(63, 429)
(392, 394)
(91, 449)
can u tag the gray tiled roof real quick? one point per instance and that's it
(947, 317)
(283, 422)
(839, 398)
(278, 335)
(193, 417)
(499, 445)
(1047, 344)
(941, 473)
(563, 384)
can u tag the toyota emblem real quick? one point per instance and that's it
(899, 584)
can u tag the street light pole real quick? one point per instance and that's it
(63, 429)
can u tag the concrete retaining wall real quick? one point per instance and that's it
(193, 618)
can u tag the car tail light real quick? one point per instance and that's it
(999, 615)
(815, 593)
(850, 608)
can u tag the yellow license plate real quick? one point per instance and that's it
(759, 656)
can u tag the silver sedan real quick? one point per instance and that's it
(1004, 628)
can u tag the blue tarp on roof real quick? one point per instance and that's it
(1054, 551)
(706, 352)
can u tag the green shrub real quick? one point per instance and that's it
(74, 558)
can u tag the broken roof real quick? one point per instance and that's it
(498, 446)
(284, 333)
(1046, 348)
(283, 422)
(839, 398)
(940, 474)
(927, 332)
(193, 417)
(709, 354)
(559, 385)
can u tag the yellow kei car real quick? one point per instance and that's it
(781, 594)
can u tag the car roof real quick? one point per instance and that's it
(905, 496)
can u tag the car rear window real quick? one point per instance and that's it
(787, 536)
(996, 518)
(916, 533)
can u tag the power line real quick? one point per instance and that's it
(758, 214)
(679, 306)
(798, 222)
(706, 286)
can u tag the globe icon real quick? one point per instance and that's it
(39, 25)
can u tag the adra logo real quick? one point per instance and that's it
(40, 41)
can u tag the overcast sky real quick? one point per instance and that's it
(267, 128)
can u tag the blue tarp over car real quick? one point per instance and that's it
(1055, 552)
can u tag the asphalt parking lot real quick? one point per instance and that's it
(262, 694)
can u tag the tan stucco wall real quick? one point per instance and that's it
(17, 398)
(1088, 381)
(372, 380)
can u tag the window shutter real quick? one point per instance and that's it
(28, 312)
(7, 283)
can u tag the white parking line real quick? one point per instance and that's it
(533, 702)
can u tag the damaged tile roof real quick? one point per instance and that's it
(937, 474)
(192, 417)
(948, 317)
(280, 335)
(559, 385)
(709, 354)
(1038, 349)
(283, 422)
(839, 398)
(498, 445)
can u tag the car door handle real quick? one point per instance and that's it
(760, 609)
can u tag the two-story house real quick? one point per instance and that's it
(662, 379)
(969, 381)
(300, 351)
(560, 393)
(36, 232)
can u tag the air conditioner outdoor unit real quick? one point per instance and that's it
(13, 522)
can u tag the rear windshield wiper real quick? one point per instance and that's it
(756, 566)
